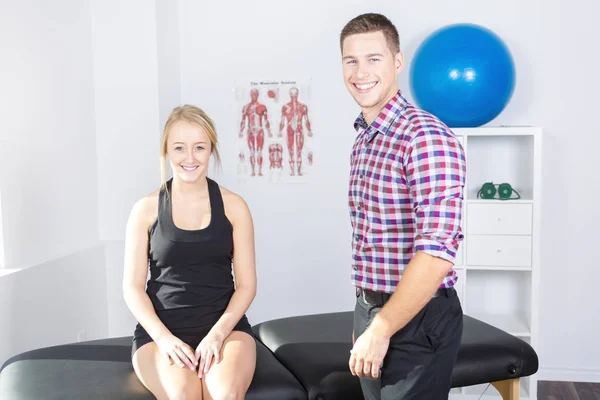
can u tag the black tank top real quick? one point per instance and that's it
(191, 279)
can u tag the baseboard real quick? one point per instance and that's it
(568, 374)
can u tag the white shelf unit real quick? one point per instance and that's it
(498, 263)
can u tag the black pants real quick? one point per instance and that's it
(421, 356)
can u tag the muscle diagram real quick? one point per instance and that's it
(255, 118)
(275, 161)
(294, 114)
(275, 156)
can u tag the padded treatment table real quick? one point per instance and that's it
(316, 349)
(101, 369)
(304, 357)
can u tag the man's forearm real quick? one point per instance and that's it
(422, 277)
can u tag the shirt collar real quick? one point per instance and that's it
(390, 112)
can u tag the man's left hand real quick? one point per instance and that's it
(366, 357)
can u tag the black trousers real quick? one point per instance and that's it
(421, 355)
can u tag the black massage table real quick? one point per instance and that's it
(298, 358)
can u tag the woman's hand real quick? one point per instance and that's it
(209, 350)
(176, 351)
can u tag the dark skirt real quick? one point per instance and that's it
(192, 336)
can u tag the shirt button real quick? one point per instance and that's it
(355, 267)
(360, 177)
(359, 207)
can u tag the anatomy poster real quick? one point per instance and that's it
(275, 131)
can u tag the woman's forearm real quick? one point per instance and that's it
(142, 309)
(237, 307)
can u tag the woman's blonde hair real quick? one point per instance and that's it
(193, 115)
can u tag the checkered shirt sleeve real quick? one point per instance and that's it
(435, 166)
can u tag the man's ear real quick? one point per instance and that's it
(399, 62)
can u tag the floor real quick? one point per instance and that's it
(551, 390)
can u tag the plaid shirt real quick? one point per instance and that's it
(407, 176)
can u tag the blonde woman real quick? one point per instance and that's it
(192, 340)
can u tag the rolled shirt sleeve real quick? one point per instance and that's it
(435, 168)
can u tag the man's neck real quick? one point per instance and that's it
(371, 113)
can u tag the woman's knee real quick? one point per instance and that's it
(186, 391)
(227, 393)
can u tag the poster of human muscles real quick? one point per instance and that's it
(275, 131)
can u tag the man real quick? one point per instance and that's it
(255, 112)
(295, 113)
(405, 195)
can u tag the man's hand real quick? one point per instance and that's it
(368, 353)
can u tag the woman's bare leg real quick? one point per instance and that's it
(230, 379)
(166, 382)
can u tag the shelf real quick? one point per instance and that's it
(498, 263)
(471, 199)
(524, 130)
(494, 268)
(502, 298)
(500, 159)
(513, 324)
(526, 193)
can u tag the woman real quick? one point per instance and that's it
(192, 340)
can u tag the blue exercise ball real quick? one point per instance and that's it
(464, 74)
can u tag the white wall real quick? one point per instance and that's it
(48, 178)
(60, 301)
(2, 260)
(126, 96)
(563, 101)
(303, 230)
(129, 58)
(169, 69)
(120, 320)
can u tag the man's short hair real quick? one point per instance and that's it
(372, 22)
